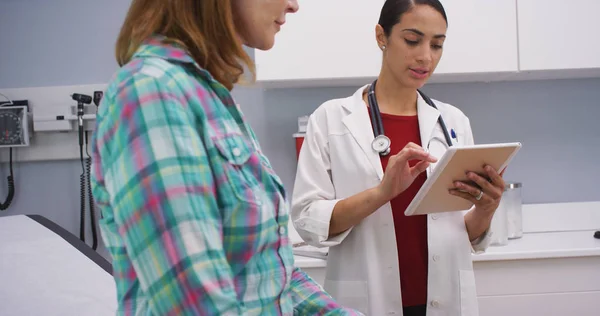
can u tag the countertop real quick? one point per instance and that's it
(545, 245)
(308, 262)
(539, 245)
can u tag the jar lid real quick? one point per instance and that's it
(513, 185)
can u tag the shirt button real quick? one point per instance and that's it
(435, 303)
(237, 152)
(282, 230)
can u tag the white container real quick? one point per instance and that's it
(302, 123)
(499, 226)
(514, 209)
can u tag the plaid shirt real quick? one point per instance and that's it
(194, 216)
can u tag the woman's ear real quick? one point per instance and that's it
(380, 37)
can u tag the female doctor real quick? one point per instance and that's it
(350, 194)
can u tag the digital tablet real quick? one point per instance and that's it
(433, 197)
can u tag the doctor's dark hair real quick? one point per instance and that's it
(392, 11)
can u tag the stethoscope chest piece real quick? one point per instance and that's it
(381, 144)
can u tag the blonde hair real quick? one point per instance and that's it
(205, 28)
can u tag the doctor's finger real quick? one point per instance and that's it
(471, 197)
(467, 188)
(485, 185)
(419, 168)
(407, 154)
(496, 178)
(413, 145)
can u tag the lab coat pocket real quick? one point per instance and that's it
(468, 294)
(240, 169)
(352, 294)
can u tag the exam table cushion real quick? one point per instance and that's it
(45, 270)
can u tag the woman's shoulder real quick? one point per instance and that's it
(154, 71)
(450, 111)
(341, 105)
(329, 115)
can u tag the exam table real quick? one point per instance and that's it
(46, 270)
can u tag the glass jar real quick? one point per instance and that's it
(514, 209)
(499, 225)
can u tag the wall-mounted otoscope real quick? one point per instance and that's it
(81, 100)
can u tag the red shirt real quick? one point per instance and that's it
(411, 231)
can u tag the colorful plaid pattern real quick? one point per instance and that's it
(194, 216)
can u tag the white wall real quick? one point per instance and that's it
(555, 120)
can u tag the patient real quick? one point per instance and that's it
(195, 218)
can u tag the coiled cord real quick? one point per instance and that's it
(88, 170)
(11, 186)
(82, 197)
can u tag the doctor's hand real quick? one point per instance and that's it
(399, 175)
(484, 193)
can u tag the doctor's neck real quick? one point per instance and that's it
(395, 98)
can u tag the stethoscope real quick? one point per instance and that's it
(382, 143)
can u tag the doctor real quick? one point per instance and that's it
(352, 188)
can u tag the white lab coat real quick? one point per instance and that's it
(336, 162)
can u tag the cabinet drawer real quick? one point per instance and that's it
(517, 277)
(558, 304)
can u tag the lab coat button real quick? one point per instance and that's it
(281, 230)
(436, 258)
(435, 303)
(391, 313)
(237, 152)
(434, 217)
(301, 224)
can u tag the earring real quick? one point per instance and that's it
(383, 47)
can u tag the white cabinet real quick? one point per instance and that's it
(481, 38)
(324, 40)
(556, 286)
(559, 35)
(553, 286)
(333, 42)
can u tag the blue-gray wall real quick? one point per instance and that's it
(67, 42)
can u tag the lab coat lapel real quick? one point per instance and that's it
(428, 118)
(359, 124)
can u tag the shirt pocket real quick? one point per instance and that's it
(241, 167)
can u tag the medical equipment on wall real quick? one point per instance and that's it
(83, 99)
(14, 132)
(382, 143)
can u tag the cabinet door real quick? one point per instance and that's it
(325, 39)
(333, 41)
(481, 37)
(559, 35)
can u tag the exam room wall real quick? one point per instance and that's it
(68, 42)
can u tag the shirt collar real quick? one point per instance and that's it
(157, 46)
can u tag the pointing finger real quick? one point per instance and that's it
(407, 154)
